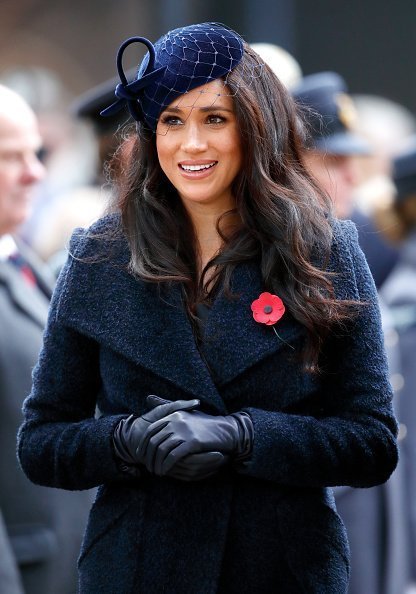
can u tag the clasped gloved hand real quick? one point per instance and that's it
(169, 441)
(129, 432)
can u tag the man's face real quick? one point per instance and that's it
(338, 175)
(20, 168)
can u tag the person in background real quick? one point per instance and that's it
(44, 526)
(209, 355)
(82, 205)
(375, 518)
(338, 154)
(387, 127)
(68, 151)
(283, 64)
(333, 147)
(109, 131)
(399, 292)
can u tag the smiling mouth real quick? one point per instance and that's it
(198, 167)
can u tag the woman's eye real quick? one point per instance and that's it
(216, 119)
(171, 121)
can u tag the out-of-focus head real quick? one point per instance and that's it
(90, 104)
(386, 125)
(404, 173)
(107, 130)
(389, 128)
(68, 145)
(283, 64)
(330, 114)
(332, 144)
(399, 217)
(20, 168)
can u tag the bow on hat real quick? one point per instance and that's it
(129, 92)
(180, 61)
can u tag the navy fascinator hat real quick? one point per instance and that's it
(178, 62)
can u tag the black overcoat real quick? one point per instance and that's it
(111, 340)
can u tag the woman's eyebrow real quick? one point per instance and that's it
(216, 108)
(204, 109)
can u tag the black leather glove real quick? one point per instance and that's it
(129, 432)
(197, 467)
(168, 441)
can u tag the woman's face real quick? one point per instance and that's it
(199, 146)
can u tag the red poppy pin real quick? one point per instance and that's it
(268, 309)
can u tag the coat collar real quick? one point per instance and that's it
(154, 331)
(233, 340)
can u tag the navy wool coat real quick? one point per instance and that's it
(111, 340)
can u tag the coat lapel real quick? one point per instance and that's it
(171, 350)
(233, 340)
(107, 303)
(154, 331)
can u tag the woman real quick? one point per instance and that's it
(223, 288)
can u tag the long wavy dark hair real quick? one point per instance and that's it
(285, 218)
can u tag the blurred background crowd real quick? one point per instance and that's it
(350, 67)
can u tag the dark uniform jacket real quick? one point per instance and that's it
(111, 340)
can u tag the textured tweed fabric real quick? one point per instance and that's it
(271, 527)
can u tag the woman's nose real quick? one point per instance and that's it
(194, 139)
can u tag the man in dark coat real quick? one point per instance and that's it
(44, 526)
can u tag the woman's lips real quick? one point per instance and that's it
(197, 170)
(197, 166)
